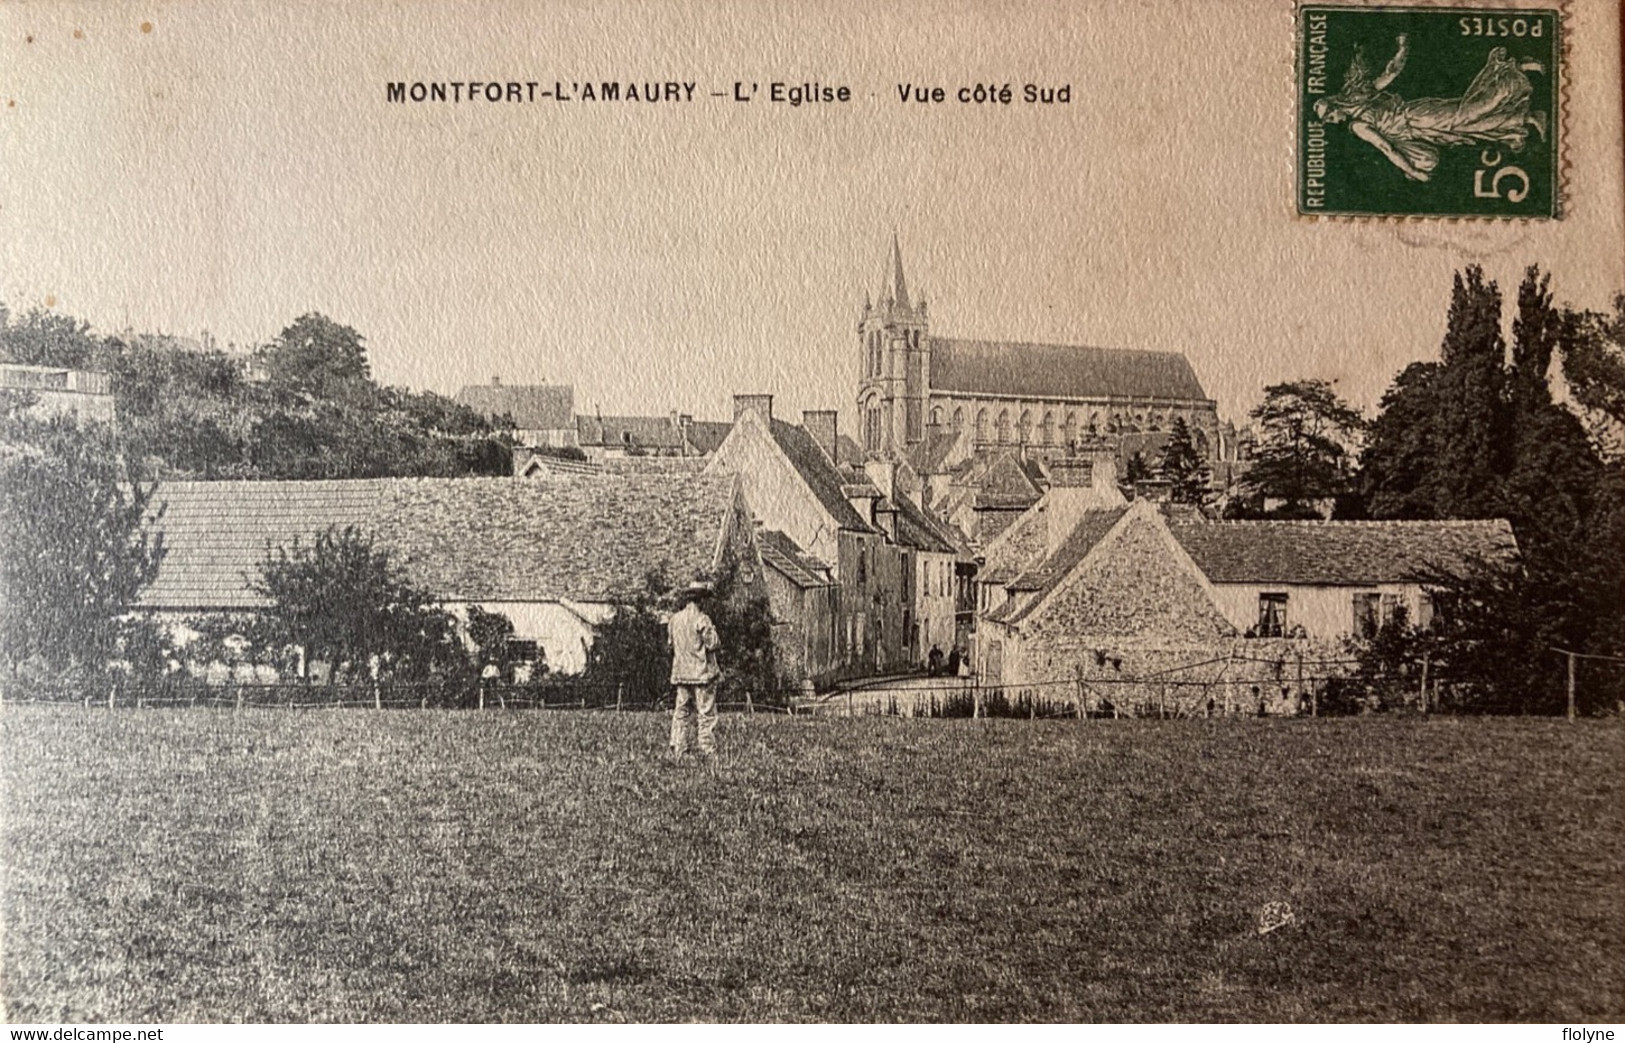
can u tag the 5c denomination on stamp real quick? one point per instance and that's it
(1428, 111)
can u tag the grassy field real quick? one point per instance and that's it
(441, 866)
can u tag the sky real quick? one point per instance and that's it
(181, 166)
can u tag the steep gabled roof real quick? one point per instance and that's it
(1044, 577)
(1059, 371)
(819, 472)
(1009, 482)
(928, 454)
(706, 435)
(917, 529)
(583, 538)
(1319, 553)
(534, 407)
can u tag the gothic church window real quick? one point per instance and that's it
(981, 425)
(1004, 427)
(959, 418)
(1047, 434)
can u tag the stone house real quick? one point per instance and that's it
(556, 555)
(805, 600)
(832, 513)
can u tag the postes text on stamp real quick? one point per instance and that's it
(1428, 111)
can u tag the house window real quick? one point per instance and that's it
(1367, 613)
(1424, 610)
(863, 567)
(1271, 615)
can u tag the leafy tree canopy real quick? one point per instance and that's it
(343, 600)
(79, 547)
(1307, 435)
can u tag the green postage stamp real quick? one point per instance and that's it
(1428, 111)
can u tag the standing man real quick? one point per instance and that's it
(693, 671)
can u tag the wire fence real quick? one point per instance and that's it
(1215, 686)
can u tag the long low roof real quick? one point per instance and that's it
(1044, 371)
(582, 538)
(1339, 553)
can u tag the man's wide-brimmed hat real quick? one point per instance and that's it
(697, 589)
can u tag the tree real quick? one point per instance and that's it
(631, 651)
(1305, 449)
(79, 547)
(1478, 435)
(345, 602)
(1182, 466)
(1593, 360)
(44, 338)
(1135, 469)
(317, 356)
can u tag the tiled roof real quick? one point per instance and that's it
(781, 553)
(534, 407)
(1007, 483)
(485, 539)
(1059, 371)
(707, 435)
(1045, 576)
(927, 455)
(917, 529)
(820, 474)
(1339, 553)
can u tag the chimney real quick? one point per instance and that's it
(821, 424)
(762, 404)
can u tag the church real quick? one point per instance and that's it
(934, 401)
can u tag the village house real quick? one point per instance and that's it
(834, 515)
(675, 435)
(53, 391)
(555, 555)
(1143, 605)
(805, 601)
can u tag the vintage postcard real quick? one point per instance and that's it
(935, 512)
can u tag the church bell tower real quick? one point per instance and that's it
(893, 335)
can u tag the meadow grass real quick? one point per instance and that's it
(438, 866)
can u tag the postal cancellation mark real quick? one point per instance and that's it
(1428, 111)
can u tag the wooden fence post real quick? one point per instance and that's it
(750, 707)
(620, 691)
(1078, 672)
(1572, 712)
(377, 696)
(1423, 694)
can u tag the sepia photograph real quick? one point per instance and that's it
(584, 512)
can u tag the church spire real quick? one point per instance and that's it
(892, 285)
